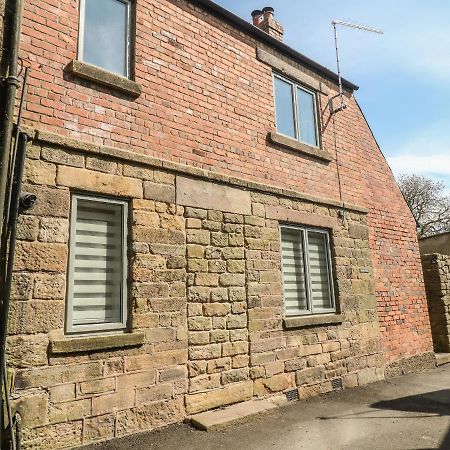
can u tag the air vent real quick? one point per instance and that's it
(336, 384)
(292, 396)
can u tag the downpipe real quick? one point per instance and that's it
(11, 84)
(18, 202)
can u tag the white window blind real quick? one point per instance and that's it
(306, 266)
(97, 265)
(319, 271)
(293, 270)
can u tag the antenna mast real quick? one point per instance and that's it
(335, 23)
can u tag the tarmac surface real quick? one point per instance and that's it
(409, 412)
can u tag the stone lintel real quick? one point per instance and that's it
(91, 343)
(291, 71)
(207, 195)
(297, 217)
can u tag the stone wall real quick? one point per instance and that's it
(205, 299)
(436, 272)
(207, 102)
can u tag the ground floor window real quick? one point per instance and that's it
(307, 274)
(97, 273)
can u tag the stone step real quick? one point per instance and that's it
(240, 412)
(442, 358)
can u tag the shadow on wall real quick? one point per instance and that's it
(436, 403)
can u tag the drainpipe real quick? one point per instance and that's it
(10, 85)
(18, 202)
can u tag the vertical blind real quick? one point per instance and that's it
(306, 271)
(293, 270)
(97, 262)
(319, 271)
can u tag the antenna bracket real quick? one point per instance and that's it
(336, 109)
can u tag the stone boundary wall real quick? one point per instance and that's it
(206, 295)
(436, 272)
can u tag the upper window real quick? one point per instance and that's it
(97, 284)
(104, 39)
(308, 284)
(296, 113)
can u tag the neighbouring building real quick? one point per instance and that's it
(435, 251)
(207, 229)
(438, 243)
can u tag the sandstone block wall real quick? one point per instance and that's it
(436, 272)
(205, 292)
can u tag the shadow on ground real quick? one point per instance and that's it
(436, 403)
(410, 412)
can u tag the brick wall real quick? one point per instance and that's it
(207, 102)
(206, 294)
(436, 272)
(207, 290)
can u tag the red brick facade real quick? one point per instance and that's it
(208, 102)
(190, 146)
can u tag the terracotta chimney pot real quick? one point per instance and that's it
(265, 20)
(258, 17)
(268, 12)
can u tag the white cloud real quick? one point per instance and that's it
(433, 164)
(427, 152)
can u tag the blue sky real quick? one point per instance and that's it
(403, 75)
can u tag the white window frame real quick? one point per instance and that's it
(127, 36)
(294, 87)
(93, 328)
(310, 308)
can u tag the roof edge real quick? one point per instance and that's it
(242, 24)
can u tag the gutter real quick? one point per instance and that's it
(243, 25)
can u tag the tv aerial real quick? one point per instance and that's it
(335, 24)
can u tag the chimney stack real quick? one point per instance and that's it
(264, 19)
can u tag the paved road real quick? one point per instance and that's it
(410, 412)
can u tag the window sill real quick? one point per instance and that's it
(298, 146)
(104, 78)
(309, 321)
(91, 343)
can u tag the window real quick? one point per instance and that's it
(306, 263)
(97, 284)
(104, 39)
(296, 114)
